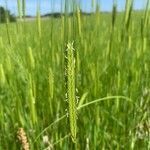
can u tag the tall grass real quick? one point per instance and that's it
(107, 70)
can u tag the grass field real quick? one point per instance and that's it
(76, 82)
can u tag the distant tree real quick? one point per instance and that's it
(4, 14)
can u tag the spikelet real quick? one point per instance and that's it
(78, 62)
(114, 13)
(129, 42)
(21, 135)
(39, 21)
(118, 87)
(1, 43)
(79, 20)
(24, 8)
(97, 14)
(108, 50)
(51, 83)
(2, 76)
(19, 9)
(146, 15)
(62, 27)
(8, 64)
(69, 27)
(93, 3)
(146, 67)
(31, 99)
(7, 28)
(144, 44)
(128, 10)
(71, 97)
(31, 59)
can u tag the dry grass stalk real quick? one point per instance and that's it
(21, 135)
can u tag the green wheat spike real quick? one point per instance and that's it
(70, 69)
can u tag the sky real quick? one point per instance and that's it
(46, 6)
